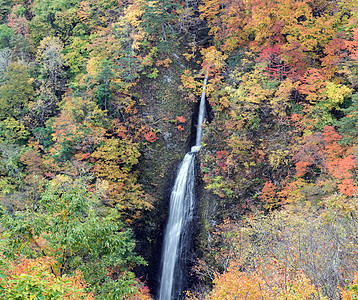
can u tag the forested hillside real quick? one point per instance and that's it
(98, 102)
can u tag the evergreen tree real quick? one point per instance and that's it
(159, 18)
(348, 126)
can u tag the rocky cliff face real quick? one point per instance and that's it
(163, 103)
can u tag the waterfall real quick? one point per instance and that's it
(182, 202)
(199, 130)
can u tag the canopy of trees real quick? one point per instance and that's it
(94, 97)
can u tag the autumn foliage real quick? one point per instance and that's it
(34, 278)
(102, 92)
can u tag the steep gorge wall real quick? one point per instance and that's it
(163, 102)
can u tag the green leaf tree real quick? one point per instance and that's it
(68, 225)
(16, 92)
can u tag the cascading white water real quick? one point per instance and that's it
(182, 201)
(199, 130)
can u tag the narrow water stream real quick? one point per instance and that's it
(182, 202)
